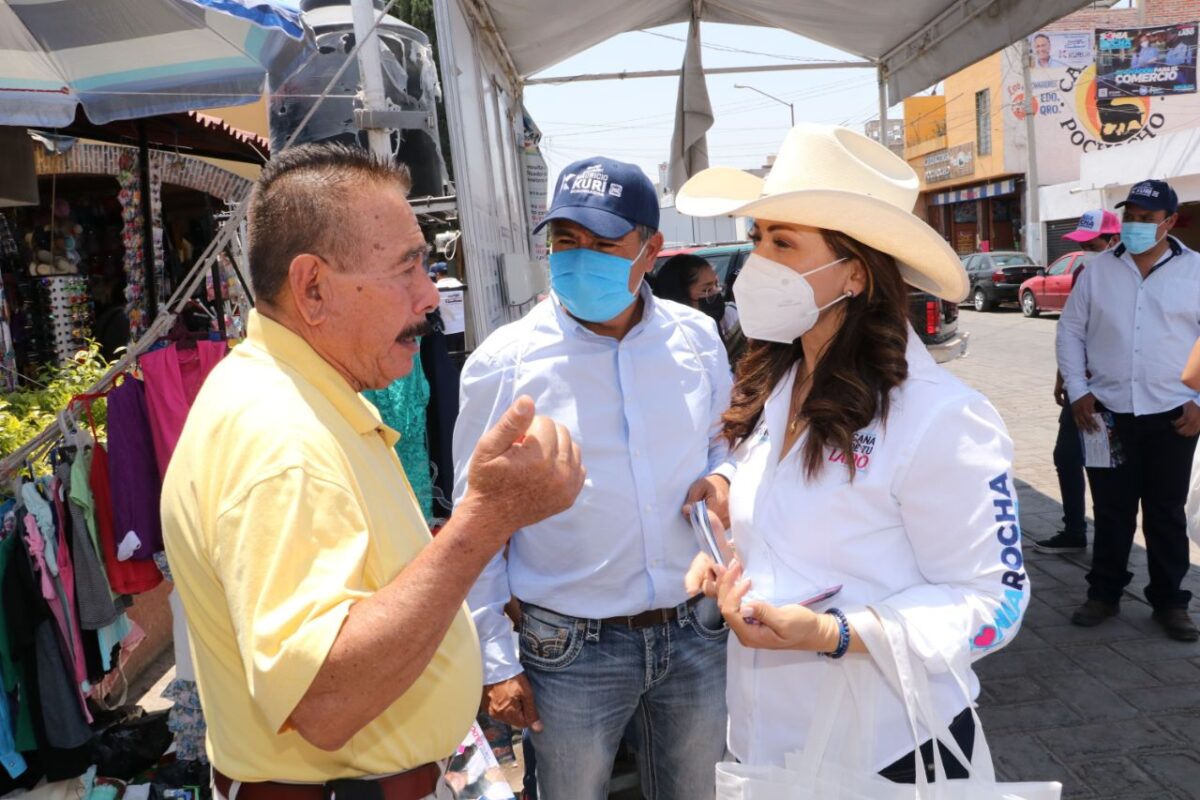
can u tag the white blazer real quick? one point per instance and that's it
(928, 526)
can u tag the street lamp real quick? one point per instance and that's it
(791, 107)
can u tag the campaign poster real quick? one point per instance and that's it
(1153, 61)
(1061, 49)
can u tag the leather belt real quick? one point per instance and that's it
(415, 784)
(650, 618)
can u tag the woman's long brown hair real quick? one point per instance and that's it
(852, 383)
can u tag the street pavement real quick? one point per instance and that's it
(1111, 711)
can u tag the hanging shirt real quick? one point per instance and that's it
(37, 506)
(10, 759)
(93, 595)
(173, 377)
(133, 470)
(125, 577)
(1125, 338)
(10, 666)
(644, 411)
(927, 527)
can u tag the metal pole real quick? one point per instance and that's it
(147, 208)
(370, 74)
(675, 73)
(1034, 244)
(883, 109)
(791, 107)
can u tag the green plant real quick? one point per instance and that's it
(26, 412)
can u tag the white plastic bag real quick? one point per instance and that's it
(1192, 508)
(814, 774)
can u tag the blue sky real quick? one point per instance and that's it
(632, 120)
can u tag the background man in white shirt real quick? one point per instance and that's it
(1098, 232)
(610, 643)
(1123, 339)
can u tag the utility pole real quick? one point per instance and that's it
(370, 75)
(1034, 244)
(791, 106)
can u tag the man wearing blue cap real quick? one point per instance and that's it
(1123, 340)
(610, 645)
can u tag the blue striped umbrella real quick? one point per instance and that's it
(123, 59)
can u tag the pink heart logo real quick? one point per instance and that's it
(986, 636)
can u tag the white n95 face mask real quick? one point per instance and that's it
(776, 304)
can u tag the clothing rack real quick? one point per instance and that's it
(36, 447)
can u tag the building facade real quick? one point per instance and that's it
(1114, 94)
(970, 156)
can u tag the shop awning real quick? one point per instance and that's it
(122, 59)
(994, 189)
(916, 42)
(189, 133)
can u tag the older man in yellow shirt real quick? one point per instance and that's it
(333, 651)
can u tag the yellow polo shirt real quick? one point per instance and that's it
(283, 505)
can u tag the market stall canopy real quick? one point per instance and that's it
(916, 42)
(121, 59)
(189, 133)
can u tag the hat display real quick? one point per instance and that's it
(830, 177)
(605, 196)
(1093, 224)
(1152, 196)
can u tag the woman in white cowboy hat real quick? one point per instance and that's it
(860, 462)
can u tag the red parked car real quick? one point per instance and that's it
(1048, 290)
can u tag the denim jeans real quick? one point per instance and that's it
(592, 682)
(1068, 462)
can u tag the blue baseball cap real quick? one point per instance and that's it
(1152, 196)
(605, 196)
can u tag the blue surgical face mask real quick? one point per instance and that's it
(1138, 237)
(593, 286)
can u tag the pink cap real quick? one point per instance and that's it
(1093, 224)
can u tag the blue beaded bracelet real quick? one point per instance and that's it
(843, 644)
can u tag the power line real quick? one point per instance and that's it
(730, 49)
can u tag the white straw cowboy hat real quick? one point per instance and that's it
(830, 177)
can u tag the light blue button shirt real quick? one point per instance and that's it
(645, 412)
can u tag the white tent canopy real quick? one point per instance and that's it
(916, 42)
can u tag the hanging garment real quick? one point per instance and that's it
(186, 718)
(64, 578)
(10, 759)
(173, 378)
(58, 714)
(402, 406)
(63, 643)
(133, 470)
(125, 577)
(94, 598)
(81, 489)
(10, 667)
(36, 505)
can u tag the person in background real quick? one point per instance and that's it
(1123, 339)
(689, 279)
(610, 643)
(112, 324)
(1098, 231)
(328, 631)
